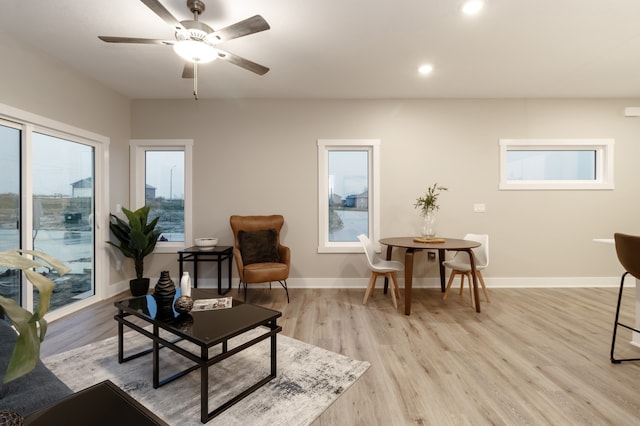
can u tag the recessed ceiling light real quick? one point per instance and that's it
(472, 7)
(425, 69)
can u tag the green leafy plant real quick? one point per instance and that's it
(31, 327)
(137, 238)
(429, 202)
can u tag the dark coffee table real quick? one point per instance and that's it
(205, 329)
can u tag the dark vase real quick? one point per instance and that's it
(139, 287)
(165, 289)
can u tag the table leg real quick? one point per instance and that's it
(219, 274)
(386, 279)
(230, 260)
(441, 258)
(273, 350)
(195, 271)
(408, 280)
(474, 275)
(156, 359)
(120, 338)
(204, 386)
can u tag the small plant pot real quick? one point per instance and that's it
(139, 287)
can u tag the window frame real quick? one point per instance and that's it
(138, 149)
(372, 146)
(29, 123)
(603, 163)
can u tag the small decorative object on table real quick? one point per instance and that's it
(213, 304)
(165, 289)
(428, 205)
(184, 303)
(206, 243)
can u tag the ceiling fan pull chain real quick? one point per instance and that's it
(195, 80)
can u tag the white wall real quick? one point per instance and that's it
(259, 157)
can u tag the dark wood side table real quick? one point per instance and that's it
(101, 404)
(195, 255)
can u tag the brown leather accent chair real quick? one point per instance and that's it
(259, 256)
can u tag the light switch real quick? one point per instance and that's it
(479, 208)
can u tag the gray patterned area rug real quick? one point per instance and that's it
(309, 379)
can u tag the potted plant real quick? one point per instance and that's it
(428, 205)
(31, 327)
(136, 239)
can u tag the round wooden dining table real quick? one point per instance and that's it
(442, 245)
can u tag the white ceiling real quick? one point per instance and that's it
(352, 48)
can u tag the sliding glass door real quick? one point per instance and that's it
(47, 203)
(10, 206)
(63, 210)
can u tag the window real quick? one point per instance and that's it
(52, 195)
(556, 164)
(348, 193)
(162, 180)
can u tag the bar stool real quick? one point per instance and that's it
(628, 251)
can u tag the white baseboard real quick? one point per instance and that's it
(499, 282)
(496, 282)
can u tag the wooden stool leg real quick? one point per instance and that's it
(372, 284)
(468, 274)
(461, 282)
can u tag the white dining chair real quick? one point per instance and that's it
(380, 267)
(460, 265)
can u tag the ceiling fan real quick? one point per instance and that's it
(197, 43)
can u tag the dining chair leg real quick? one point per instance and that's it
(468, 274)
(395, 284)
(461, 282)
(393, 290)
(372, 283)
(446, 292)
(484, 287)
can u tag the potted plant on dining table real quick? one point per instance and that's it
(428, 205)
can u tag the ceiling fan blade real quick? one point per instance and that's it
(163, 13)
(109, 39)
(187, 72)
(252, 25)
(242, 62)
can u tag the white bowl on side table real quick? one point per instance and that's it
(206, 243)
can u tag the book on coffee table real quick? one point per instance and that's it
(212, 304)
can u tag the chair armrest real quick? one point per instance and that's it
(239, 263)
(285, 255)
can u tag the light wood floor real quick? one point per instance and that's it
(532, 357)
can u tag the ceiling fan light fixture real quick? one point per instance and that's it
(425, 69)
(195, 51)
(472, 7)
